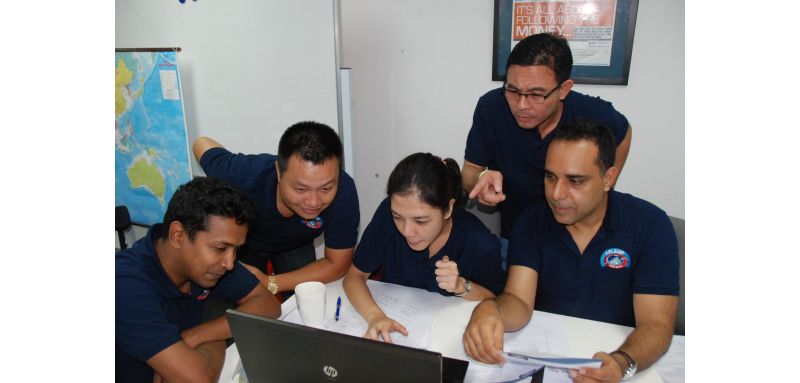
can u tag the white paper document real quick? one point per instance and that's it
(510, 372)
(544, 334)
(671, 366)
(556, 375)
(239, 376)
(169, 85)
(400, 303)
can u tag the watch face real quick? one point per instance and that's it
(629, 372)
(272, 285)
(630, 369)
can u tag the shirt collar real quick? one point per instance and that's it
(271, 184)
(609, 222)
(612, 211)
(170, 290)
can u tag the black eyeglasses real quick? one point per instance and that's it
(514, 95)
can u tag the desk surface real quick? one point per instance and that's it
(584, 337)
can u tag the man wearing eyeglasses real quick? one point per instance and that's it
(506, 146)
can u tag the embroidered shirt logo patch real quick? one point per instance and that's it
(203, 296)
(315, 223)
(615, 259)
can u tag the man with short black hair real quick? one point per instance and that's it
(589, 252)
(299, 194)
(164, 280)
(511, 126)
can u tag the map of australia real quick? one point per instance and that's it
(151, 145)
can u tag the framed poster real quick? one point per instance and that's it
(599, 32)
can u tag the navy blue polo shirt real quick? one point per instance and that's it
(254, 174)
(471, 245)
(150, 310)
(635, 251)
(495, 140)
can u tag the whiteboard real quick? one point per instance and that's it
(249, 68)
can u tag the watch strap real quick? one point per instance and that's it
(630, 370)
(467, 288)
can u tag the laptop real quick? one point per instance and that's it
(277, 351)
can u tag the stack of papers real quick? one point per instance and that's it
(397, 302)
(671, 366)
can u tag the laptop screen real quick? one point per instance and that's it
(277, 351)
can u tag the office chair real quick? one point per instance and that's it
(122, 222)
(488, 215)
(680, 321)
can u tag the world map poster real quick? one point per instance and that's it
(150, 140)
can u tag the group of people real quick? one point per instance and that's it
(546, 155)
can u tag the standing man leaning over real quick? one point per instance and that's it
(504, 157)
(589, 252)
(299, 194)
(163, 282)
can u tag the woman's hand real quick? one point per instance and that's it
(380, 326)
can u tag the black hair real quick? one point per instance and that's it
(436, 181)
(312, 141)
(202, 197)
(546, 49)
(598, 133)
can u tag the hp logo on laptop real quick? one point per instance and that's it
(330, 371)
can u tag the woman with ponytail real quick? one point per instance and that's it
(420, 236)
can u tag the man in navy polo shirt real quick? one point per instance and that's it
(588, 252)
(506, 146)
(163, 282)
(299, 194)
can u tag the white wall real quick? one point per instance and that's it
(249, 69)
(419, 67)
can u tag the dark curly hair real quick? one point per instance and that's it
(196, 200)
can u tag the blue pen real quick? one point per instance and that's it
(338, 306)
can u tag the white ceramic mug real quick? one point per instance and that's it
(310, 298)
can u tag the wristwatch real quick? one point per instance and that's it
(628, 371)
(272, 284)
(467, 288)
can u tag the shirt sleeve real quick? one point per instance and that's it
(658, 265)
(142, 329)
(371, 251)
(479, 149)
(237, 169)
(483, 266)
(618, 125)
(612, 118)
(523, 247)
(341, 225)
